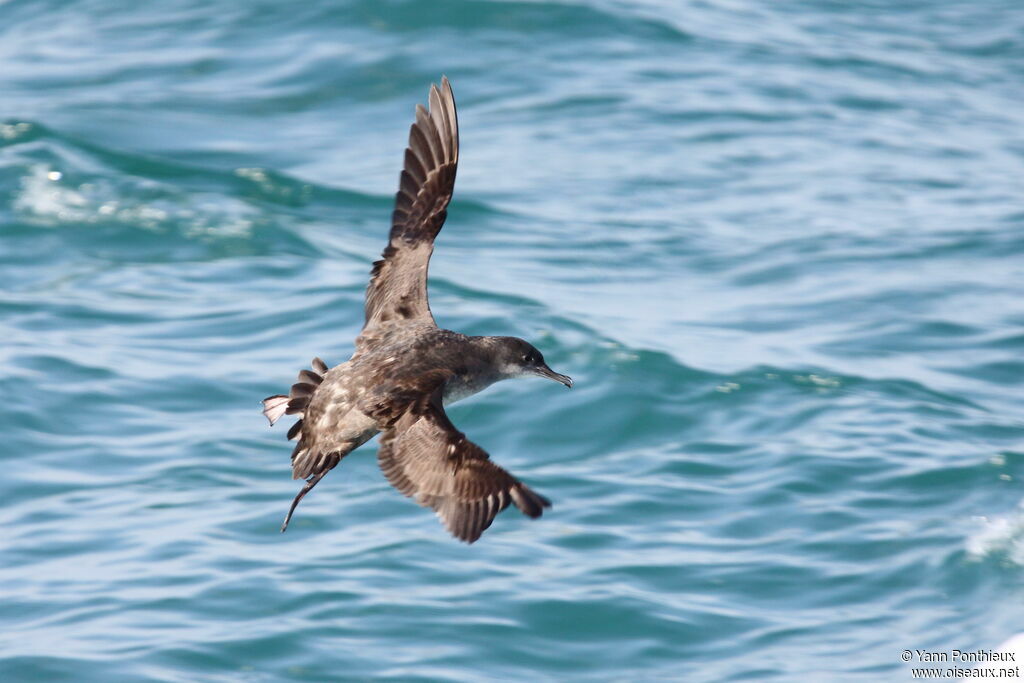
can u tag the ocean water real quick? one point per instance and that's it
(779, 247)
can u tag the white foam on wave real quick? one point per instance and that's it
(999, 536)
(1002, 668)
(13, 131)
(1014, 644)
(47, 197)
(41, 195)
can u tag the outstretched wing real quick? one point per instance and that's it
(398, 284)
(426, 458)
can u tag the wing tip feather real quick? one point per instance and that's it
(529, 502)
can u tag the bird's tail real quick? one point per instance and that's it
(275, 407)
(295, 403)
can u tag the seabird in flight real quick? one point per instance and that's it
(406, 369)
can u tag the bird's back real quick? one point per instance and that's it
(388, 359)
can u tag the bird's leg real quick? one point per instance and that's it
(310, 483)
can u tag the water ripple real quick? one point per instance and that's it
(777, 248)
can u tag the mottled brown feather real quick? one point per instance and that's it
(310, 377)
(302, 389)
(426, 458)
(398, 283)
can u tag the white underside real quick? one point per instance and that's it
(458, 390)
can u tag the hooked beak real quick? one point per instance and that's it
(545, 371)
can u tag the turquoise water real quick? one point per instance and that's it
(779, 247)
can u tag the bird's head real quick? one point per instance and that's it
(518, 358)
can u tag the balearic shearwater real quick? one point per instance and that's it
(405, 369)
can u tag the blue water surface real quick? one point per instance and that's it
(779, 247)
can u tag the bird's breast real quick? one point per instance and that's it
(463, 386)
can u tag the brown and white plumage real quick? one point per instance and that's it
(405, 369)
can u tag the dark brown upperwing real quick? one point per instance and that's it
(398, 283)
(426, 458)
